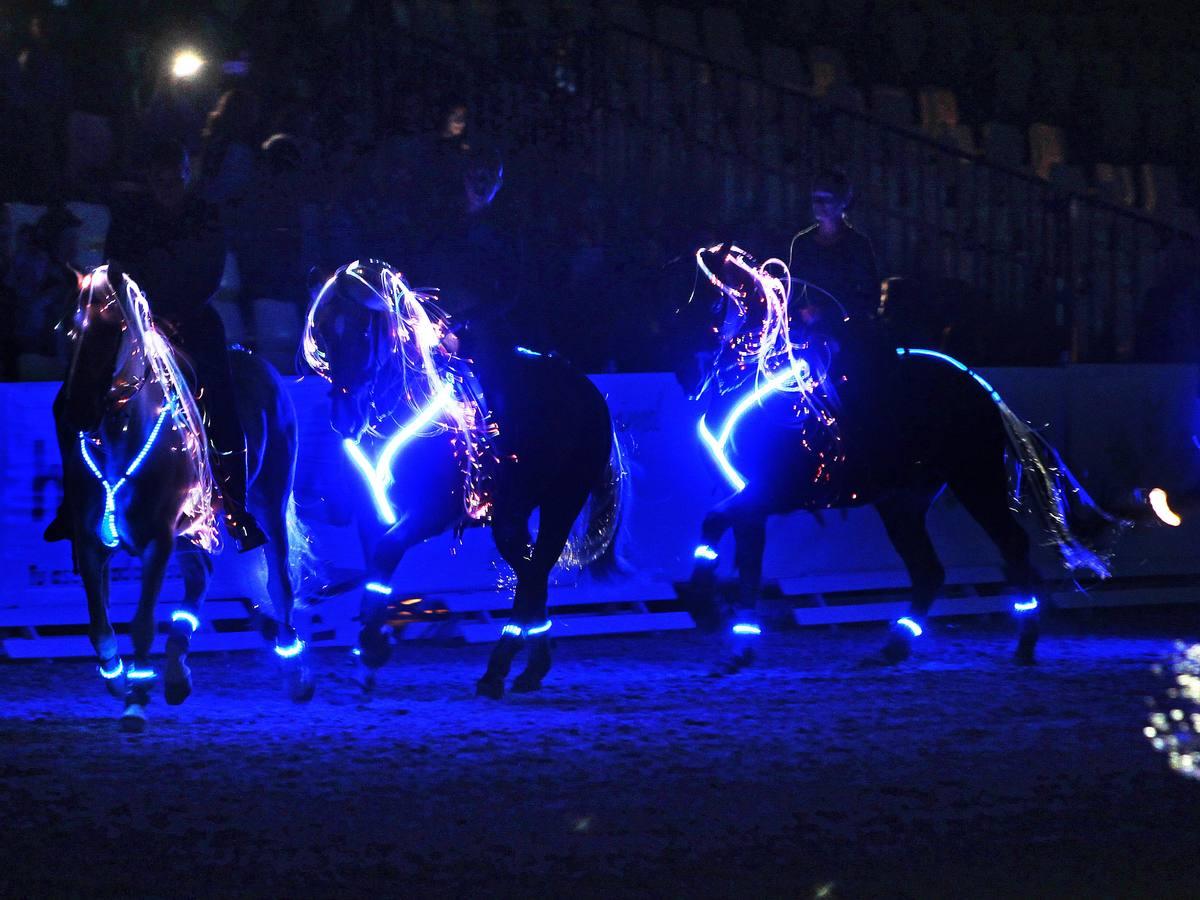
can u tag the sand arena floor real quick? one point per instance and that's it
(632, 773)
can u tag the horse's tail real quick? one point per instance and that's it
(302, 559)
(1075, 522)
(595, 541)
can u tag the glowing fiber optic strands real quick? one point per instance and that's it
(1025, 606)
(189, 618)
(292, 650)
(109, 535)
(143, 339)
(716, 444)
(911, 625)
(378, 476)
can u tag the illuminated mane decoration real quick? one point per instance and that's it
(145, 355)
(758, 349)
(415, 368)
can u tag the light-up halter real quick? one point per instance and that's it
(108, 520)
(378, 477)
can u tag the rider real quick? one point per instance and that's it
(172, 244)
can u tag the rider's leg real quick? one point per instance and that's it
(204, 338)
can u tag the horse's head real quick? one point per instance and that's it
(725, 307)
(349, 337)
(92, 385)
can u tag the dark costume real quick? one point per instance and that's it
(845, 268)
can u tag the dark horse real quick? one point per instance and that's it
(798, 420)
(441, 441)
(136, 477)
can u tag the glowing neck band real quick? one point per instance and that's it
(378, 477)
(797, 376)
(109, 535)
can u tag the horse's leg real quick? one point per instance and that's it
(374, 644)
(554, 528)
(288, 646)
(985, 497)
(195, 566)
(94, 570)
(903, 516)
(750, 541)
(700, 593)
(141, 676)
(510, 530)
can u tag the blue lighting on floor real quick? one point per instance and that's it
(705, 552)
(746, 628)
(912, 625)
(1024, 606)
(378, 587)
(182, 615)
(292, 650)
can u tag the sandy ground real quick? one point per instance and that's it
(956, 775)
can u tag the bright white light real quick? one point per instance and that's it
(186, 64)
(182, 615)
(705, 552)
(914, 628)
(746, 628)
(1162, 509)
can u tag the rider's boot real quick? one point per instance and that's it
(241, 525)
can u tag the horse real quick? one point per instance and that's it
(812, 417)
(136, 477)
(441, 440)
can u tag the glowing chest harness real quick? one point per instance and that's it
(476, 451)
(109, 535)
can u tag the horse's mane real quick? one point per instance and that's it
(411, 330)
(141, 338)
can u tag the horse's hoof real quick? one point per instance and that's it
(364, 677)
(301, 687)
(117, 687)
(490, 688)
(133, 720)
(526, 684)
(175, 692)
(896, 650)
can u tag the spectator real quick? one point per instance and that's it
(227, 158)
(43, 283)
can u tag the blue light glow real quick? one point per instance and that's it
(1024, 606)
(705, 552)
(378, 587)
(292, 650)
(525, 351)
(110, 674)
(716, 443)
(911, 351)
(538, 629)
(182, 615)
(378, 477)
(511, 630)
(357, 651)
(746, 628)
(136, 674)
(914, 628)
(108, 533)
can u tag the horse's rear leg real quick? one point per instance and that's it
(94, 569)
(289, 648)
(510, 530)
(699, 593)
(195, 566)
(985, 497)
(903, 516)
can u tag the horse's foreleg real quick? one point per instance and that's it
(195, 566)
(750, 541)
(699, 594)
(94, 570)
(154, 569)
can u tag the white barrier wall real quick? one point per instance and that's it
(1118, 426)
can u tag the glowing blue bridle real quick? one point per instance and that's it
(378, 476)
(109, 535)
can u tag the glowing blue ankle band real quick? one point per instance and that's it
(135, 674)
(746, 628)
(182, 615)
(110, 674)
(292, 650)
(914, 628)
(378, 587)
(108, 519)
(513, 630)
(705, 552)
(1024, 606)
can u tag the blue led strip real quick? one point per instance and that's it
(378, 476)
(912, 626)
(378, 587)
(716, 443)
(294, 649)
(1025, 606)
(109, 535)
(513, 630)
(183, 615)
(910, 351)
(746, 628)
